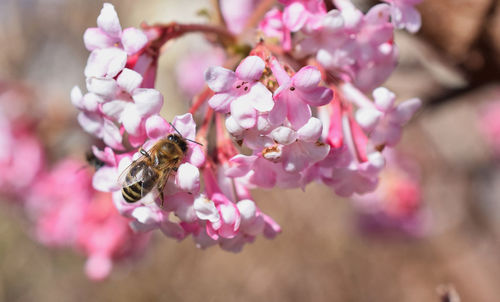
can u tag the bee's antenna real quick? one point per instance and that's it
(175, 129)
(194, 141)
(183, 136)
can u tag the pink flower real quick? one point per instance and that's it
(110, 45)
(110, 102)
(240, 92)
(404, 14)
(237, 12)
(301, 148)
(298, 14)
(358, 47)
(295, 94)
(221, 215)
(21, 158)
(272, 26)
(384, 120)
(396, 204)
(57, 203)
(106, 237)
(356, 177)
(265, 170)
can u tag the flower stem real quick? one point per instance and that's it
(200, 99)
(165, 32)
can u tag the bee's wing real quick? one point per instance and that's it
(134, 172)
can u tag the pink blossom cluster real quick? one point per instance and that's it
(285, 114)
(397, 203)
(118, 100)
(356, 47)
(68, 212)
(61, 203)
(122, 106)
(21, 152)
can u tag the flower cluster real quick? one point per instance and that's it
(62, 205)
(21, 152)
(396, 205)
(291, 111)
(357, 47)
(117, 100)
(68, 212)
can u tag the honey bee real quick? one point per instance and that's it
(93, 161)
(151, 171)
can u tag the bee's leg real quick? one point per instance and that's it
(144, 152)
(160, 190)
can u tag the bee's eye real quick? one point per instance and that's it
(171, 137)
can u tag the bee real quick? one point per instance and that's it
(93, 161)
(151, 171)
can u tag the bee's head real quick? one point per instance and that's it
(179, 141)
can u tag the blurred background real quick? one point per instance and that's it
(331, 249)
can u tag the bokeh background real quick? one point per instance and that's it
(452, 64)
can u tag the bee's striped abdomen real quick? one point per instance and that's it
(133, 192)
(138, 189)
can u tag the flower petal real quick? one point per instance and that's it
(146, 215)
(294, 16)
(76, 97)
(240, 165)
(220, 102)
(133, 40)
(298, 112)
(131, 119)
(406, 110)
(247, 210)
(105, 179)
(157, 127)
(307, 78)
(384, 98)
(205, 209)
(91, 102)
(318, 96)
(262, 98)
(105, 87)
(172, 230)
(243, 112)
(233, 127)
(311, 131)
(148, 101)
(114, 108)
(279, 112)
(284, 135)
(250, 69)
(98, 267)
(129, 80)
(108, 21)
(368, 118)
(195, 155)
(219, 79)
(187, 178)
(91, 123)
(185, 125)
(105, 62)
(111, 135)
(95, 38)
